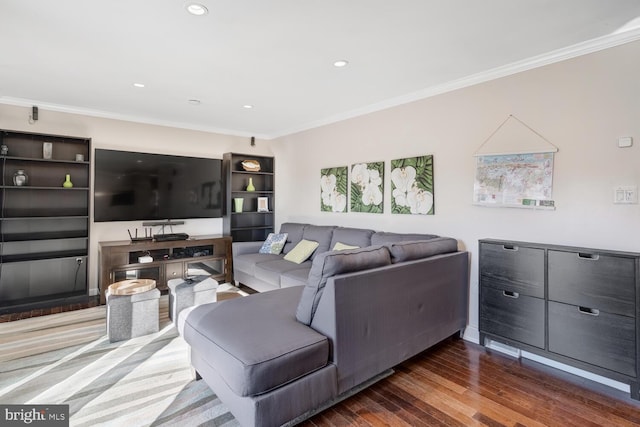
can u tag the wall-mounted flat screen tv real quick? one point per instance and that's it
(131, 186)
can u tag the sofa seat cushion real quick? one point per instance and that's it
(408, 251)
(331, 263)
(270, 271)
(385, 238)
(295, 277)
(248, 262)
(255, 343)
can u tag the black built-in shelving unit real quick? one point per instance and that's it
(44, 227)
(248, 225)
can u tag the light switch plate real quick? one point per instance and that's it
(625, 195)
(625, 142)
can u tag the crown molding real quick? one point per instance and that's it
(21, 102)
(559, 55)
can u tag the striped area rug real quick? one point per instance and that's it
(145, 381)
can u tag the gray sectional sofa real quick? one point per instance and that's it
(266, 272)
(274, 357)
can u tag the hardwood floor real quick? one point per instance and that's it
(458, 383)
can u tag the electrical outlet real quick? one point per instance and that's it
(79, 261)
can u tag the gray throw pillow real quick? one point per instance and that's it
(332, 263)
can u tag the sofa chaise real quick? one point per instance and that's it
(276, 357)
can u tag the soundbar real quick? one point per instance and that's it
(170, 236)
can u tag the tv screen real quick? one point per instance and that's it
(131, 186)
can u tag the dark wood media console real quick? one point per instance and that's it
(199, 255)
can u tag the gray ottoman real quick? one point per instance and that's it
(130, 316)
(184, 293)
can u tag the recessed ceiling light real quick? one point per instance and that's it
(194, 101)
(341, 63)
(138, 84)
(247, 106)
(197, 9)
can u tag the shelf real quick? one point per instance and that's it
(260, 227)
(52, 213)
(251, 173)
(12, 218)
(49, 235)
(32, 187)
(252, 212)
(43, 256)
(252, 192)
(33, 159)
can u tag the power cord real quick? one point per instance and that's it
(75, 280)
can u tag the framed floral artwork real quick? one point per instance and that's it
(412, 186)
(367, 187)
(333, 189)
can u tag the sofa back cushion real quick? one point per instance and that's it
(385, 238)
(331, 263)
(321, 234)
(294, 232)
(417, 249)
(359, 237)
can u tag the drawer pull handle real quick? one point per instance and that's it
(589, 311)
(510, 294)
(509, 247)
(591, 257)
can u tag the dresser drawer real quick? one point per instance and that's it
(512, 315)
(595, 280)
(601, 339)
(513, 267)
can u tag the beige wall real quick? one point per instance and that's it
(582, 106)
(122, 135)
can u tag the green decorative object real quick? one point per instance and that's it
(67, 183)
(238, 202)
(250, 187)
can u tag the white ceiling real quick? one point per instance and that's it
(84, 55)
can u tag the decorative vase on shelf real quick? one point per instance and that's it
(238, 203)
(250, 187)
(67, 183)
(20, 178)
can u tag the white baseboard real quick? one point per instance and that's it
(472, 334)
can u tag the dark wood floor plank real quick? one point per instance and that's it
(476, 402)
(521, 397)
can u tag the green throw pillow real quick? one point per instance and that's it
(341, 247)
(302, 251)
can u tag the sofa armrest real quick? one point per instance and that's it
(241, 248)
(376, 319)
